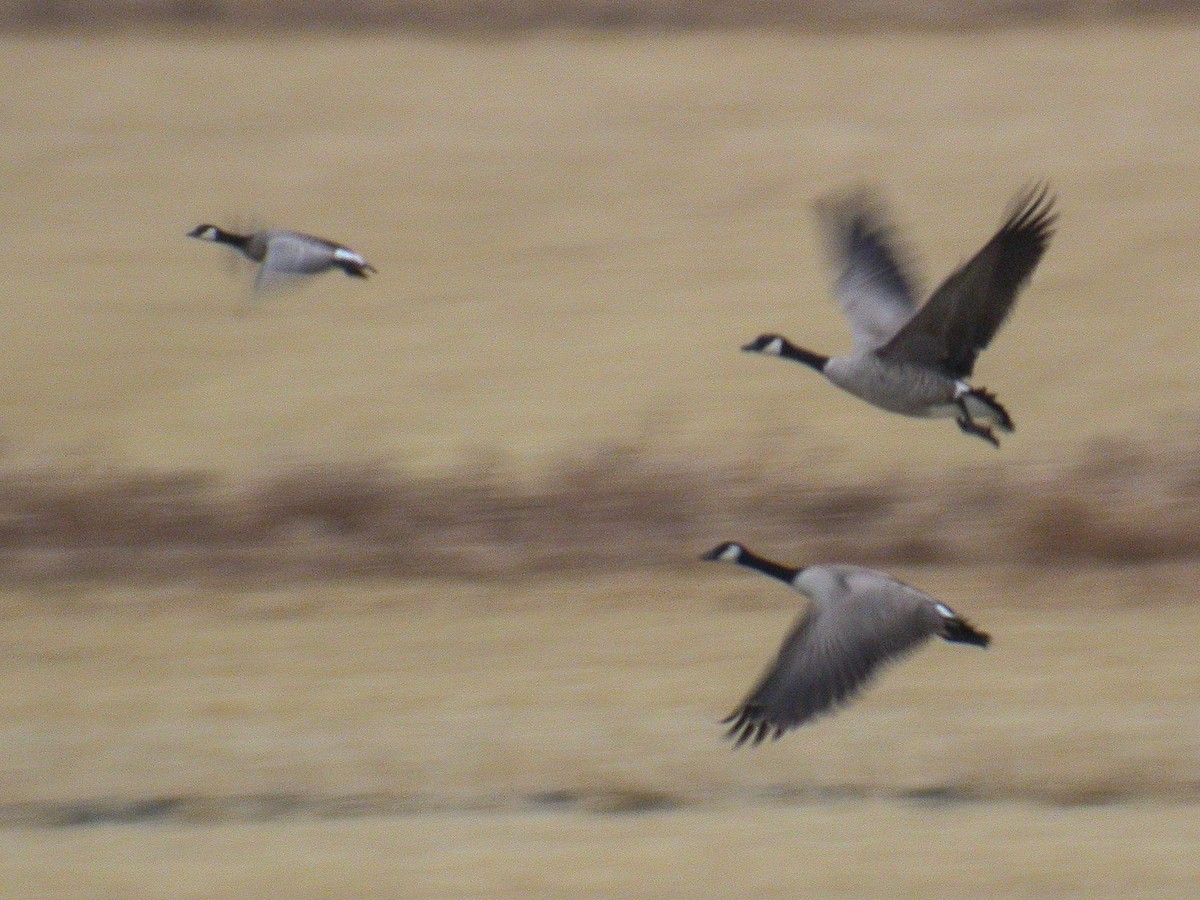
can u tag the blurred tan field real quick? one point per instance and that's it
(560, 736)
(389, 588)
(574, 237)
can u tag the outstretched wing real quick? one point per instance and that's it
(831, 653)
(872, 286)
(964, 314)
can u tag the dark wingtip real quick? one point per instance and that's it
(746, 726)
(1033, 211)
(737, 730)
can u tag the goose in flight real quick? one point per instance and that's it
(912, 361)
(858, 619)
(285, 255)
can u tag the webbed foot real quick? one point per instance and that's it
(970, 426)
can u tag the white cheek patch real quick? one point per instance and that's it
(775, 347)
(345, 254)
(946, 611)
(732, 553)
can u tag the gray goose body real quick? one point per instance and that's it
(898, 387)
(286, 255)
(858, 620)
(912, 361)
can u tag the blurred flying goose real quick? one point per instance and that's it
(917, 361)
(285, 255)
(858, 620)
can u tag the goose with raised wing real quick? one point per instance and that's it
(286, 255)
(912, 361)
(858, 620)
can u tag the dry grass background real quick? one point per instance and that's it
(507, 16)
(559, 736)
(387, 588)
(617, 508)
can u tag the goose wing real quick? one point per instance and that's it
(832, 652)
(872, 286)
(291, 255)
(968, 309)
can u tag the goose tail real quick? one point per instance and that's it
(959, 631)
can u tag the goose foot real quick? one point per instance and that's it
(970, 426)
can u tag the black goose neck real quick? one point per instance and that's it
(222, 236)
(806, 357)
(761, 564)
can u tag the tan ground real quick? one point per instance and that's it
(867, 849)
(574, 236)
(562, 736)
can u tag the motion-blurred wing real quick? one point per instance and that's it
(872, 286)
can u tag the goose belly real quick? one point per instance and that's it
(899, 388)
(306, 265)
(298, 261)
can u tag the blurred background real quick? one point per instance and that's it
(391, 588)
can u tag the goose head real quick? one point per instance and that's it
(727, 551)
(777, 345)
(770, 344)
(205, 232)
